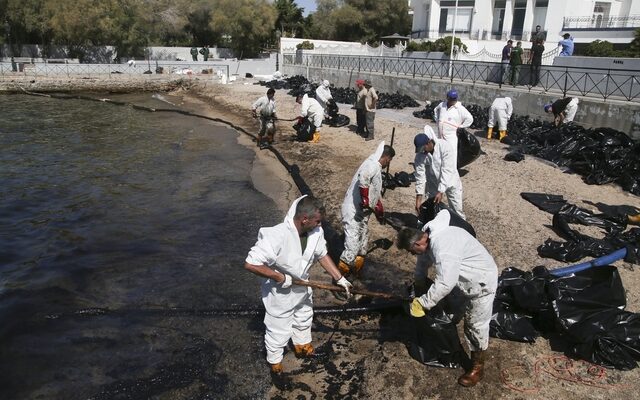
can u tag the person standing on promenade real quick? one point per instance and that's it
(515, 62)
(370, 104)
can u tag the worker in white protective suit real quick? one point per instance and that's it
(500, 112)
(450, 115)
(311, 109)
(460, 260)
(282, 253)
(435, 171)
(363, 197)
(265, 109)
(564, 110)
(323, 95)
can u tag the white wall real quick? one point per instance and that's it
(553, 18)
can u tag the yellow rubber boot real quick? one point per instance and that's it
(276, 368)
(490, 133)
(303, 350)
(344, 267)
(358, 264)
(316, 137)
(503, 134)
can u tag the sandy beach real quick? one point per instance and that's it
(369, 357)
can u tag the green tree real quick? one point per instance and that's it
(248, 24)
(290, 21)
(360, 20)
(444, 44)
(26, 21)
(199, 25)
(599, 48)
(349, 24)
(321, 24)
(634, 47)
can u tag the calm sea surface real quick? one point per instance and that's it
(120, 231)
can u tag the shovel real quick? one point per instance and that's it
(335, 288)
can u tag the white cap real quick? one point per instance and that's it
(325, 83)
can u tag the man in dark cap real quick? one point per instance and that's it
(370, 103)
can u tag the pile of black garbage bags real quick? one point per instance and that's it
(296, 85)
(612, 220)
(599, 155)
(583, 313)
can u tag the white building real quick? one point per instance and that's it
(489, 23)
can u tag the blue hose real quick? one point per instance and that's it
(597, 262)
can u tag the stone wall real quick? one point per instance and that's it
(620, 115)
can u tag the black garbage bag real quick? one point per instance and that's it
(335, 119)
(427, 112)
(304, 130)
(585, 308)
(511, 325)
(435, 340)
(399, 179)
(468, 147)
(429, 209)
(600, 155)
(480, 115)
(396, 101)
(516, 156)
(551, 203)
(589, 309)
(577, 245)
(344, 95)
(404, 179)
(521, 307)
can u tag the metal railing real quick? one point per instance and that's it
(594, 23)
(588, 82)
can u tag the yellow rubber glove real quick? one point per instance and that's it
(416, 309)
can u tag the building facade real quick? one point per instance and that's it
(486, 21)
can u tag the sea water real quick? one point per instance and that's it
(123, 234)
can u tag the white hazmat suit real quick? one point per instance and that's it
(437, 172)
(449, 119)
(500, 113)
(288, 311)
(355, 220)
(571, 109)
(311, 109)
(460, 260)
(323, 94)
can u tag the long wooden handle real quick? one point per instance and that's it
(335, 288)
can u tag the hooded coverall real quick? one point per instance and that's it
(323, 95)
(311, 109)
(266, 109)
(355, 220)
(500, 112)
(448, 120)
(460, 260)
(288, 312)
(437, 173)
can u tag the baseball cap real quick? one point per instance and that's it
(420, 140)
